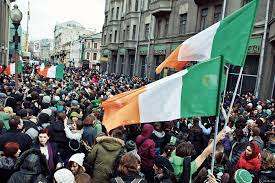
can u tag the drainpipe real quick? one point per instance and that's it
(149, 45)
(138, 33)
(260, 67)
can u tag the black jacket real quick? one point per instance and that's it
(24, 141)
(129, 178)
(31, 168)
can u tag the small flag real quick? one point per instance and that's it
(10, 70)
(52, 71)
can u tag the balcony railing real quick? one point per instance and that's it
(160, 6)
(202, 2)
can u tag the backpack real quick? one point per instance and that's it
(116, 162)
(185, 175)
(119, 180)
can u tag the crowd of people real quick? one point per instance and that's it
(51, 131)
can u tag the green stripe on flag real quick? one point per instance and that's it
(59, 71)
(200, 89)
(232, 37)
(20, 66)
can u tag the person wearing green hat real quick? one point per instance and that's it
(242, 176)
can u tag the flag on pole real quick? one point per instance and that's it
(191, 92)
(10, 69)
(51, 71)
(228, 38)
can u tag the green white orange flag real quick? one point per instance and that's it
(228, 38)
(10, 69)
(192, 92)
(56, 72)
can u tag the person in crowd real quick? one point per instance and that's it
(14, 135)
(75, 131)
(163, 170)
(158, 137)
(64, 176)
(255, 137)
(83, 178)
(4, 117)
(129, 167)
(146, 151)
(49, 149)
(267, 172)
(104, 154)
(76, 163)
(7, 161)
(31, 167)
(58, 135)
(250, 159)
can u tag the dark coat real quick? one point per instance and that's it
(237, 149)
(129, 178)
(24, 141)
(58, 136)
(31, 168)
(146, 147)
(6, 168)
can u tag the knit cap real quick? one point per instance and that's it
(46, 99)
(130, 145)
(242, 176)
(78, 158)
(163, 162)
(64, 176)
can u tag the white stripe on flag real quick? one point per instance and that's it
(51, 72)
(198, 47)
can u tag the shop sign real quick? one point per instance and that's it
(254, 46)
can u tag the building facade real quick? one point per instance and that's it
(4, 30)
(65, 36)
(91, 49)
(138, 35)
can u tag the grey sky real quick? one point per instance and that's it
(46, 13)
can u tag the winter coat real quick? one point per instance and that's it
(5, 118)
(103, 156)
(89, 134)
(253, 163)
(146, 147)
(267, 175)
(258, 141)
(24, 141)
(129, 178)
(158, 138)
(237, 148)
(32, 168)
(6, 168)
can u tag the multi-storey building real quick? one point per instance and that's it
(138, 35)
(4, 30)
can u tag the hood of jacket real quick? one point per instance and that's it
(110, 143)
(32, 162)
(146, 133)
(159, 134)
(7, 163)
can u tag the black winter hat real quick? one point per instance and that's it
(163, 162)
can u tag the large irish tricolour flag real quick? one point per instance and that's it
(191, 92)
(52, 71)
(228, 38)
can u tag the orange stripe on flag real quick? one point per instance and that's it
(8, 70)
(44, 72)
(122, 109)
(172, 62)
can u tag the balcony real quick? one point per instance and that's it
(113, 46)
(130, 44)
(160, 7)
(202, 2)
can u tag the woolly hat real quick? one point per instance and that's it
(32, 133)
(130, 145)
(74, 103)
(43, 118)
(78, 158)
(64, 176)
(259, 107)
(46, 99)
(250, 105)
(163, 162)
(74, 114)
(47, 111)
(242, 176)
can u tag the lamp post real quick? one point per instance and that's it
(16, 17)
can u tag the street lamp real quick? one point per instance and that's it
(16, 17)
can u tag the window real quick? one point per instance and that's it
(105, 38)
(128, 32)
(166, 26)
(117, 13)
(203, 18)
(88, 55)
(106, 19)
(136, 5)
(218, 13)
(110, 37)
(146, 31)
(183, 21)
(94, 56)
(246, 1)
(129, 5)
(158, 28)
(95, 45)
(122, 63)
(124, 34)
(112, 13)
(134, 32)
(143, 60)
(115, 38)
